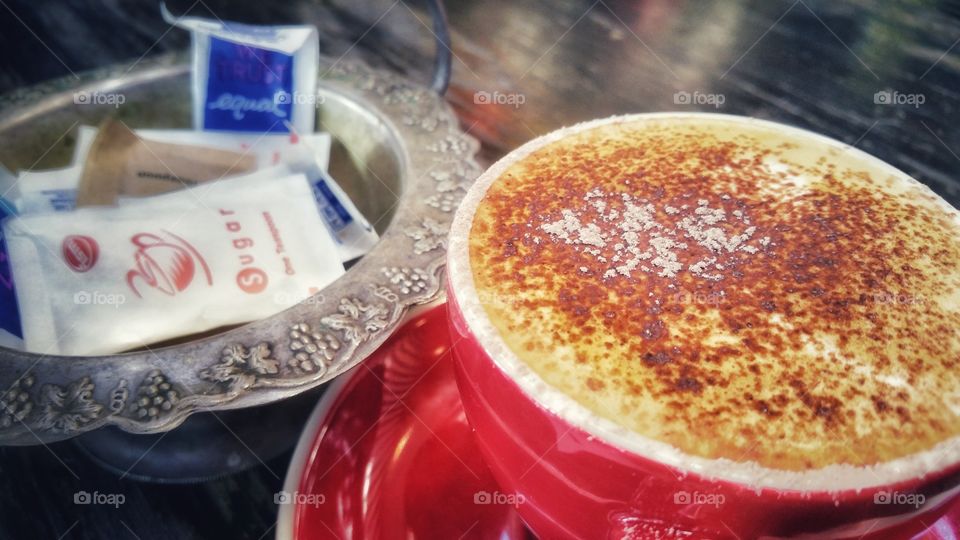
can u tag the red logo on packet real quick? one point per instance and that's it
(80, 252)
(252, 280)
(165, 264)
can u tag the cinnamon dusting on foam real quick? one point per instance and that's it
(723, 291)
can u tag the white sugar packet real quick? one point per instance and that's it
(104, 280)
(352, 233)
(9, 190)
(81, 148)
(252, 78)
(52, 190)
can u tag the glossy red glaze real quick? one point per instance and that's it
(393, 457)
(578, 486)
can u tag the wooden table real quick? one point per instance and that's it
(881, 76)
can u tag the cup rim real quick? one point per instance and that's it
(832, 478)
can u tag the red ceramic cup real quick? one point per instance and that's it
(577, 475)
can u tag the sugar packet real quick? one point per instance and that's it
(352, 233)
(252, 78)
(8, 184)
(107, 279)
(54, 190)
(49, 190)
(268, 149)
(82, 143)
(120, 162)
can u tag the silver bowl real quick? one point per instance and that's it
(398, 152)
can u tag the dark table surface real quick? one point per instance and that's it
(812, 63)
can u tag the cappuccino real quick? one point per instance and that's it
(730, 289)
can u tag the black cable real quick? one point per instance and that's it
(444, 56)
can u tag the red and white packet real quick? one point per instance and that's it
(109, 279)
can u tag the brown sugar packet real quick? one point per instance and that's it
(121, 163)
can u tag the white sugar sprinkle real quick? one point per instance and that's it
(591, 235)
(635, 222)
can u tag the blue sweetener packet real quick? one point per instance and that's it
(354, 235)
(10, 329)
(250, 78)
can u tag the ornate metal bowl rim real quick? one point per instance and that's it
(49, 398)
